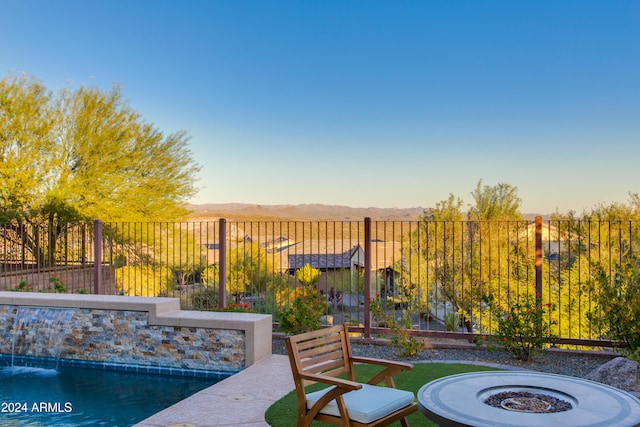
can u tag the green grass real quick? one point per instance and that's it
(283, 413)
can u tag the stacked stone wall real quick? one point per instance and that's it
(121, 336)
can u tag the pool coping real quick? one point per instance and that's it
(240, 400)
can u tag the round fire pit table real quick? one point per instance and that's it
(526, 399)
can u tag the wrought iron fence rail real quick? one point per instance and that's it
(441, 278)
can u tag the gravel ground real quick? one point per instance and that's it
(564, 362)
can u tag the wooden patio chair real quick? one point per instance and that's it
(321, 357)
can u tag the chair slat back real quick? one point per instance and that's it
(326, 351)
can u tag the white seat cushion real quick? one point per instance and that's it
(367, 404)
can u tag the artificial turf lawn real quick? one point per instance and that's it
(283, 413)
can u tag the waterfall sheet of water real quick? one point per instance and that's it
(39, 332)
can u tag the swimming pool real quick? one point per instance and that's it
(84, 396)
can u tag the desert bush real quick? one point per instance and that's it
(616, 312)
(303, 315)
(523, 328)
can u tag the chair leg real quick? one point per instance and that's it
(404, 422)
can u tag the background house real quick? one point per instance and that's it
(341, 263)
(553, 240)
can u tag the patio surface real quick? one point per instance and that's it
(240, 400)
(243, 398)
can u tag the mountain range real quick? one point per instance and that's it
(314, 211)
(302, 212)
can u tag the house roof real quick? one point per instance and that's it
(325, 254)
(321, 254)
(334, 254)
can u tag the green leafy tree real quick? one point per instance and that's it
(248, 269)
(602, 239)
(616, 314)
(446, 210)
(81, 154)
(143, 280)
(207, 296)
(181, 253)
(85, 153)
(496, 262)
(416, 270)
(498, 202)
(446, 249)
(26, 126)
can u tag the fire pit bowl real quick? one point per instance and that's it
(526, 399)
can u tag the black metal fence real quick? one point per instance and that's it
(440, 276)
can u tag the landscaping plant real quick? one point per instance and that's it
(523, 328)
(304, 313)
(383, 312)
(616, 314)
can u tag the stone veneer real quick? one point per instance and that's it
(136, 331)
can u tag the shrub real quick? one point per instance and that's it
(304, 313)
(616, 314)
(23, 286)
(58, 285)
(237, 308)
(206, 297)
(383, 311)
(378, 308)
(307, 275)
(451, 320)
(523, 328)
(285, 296)
(401, 338)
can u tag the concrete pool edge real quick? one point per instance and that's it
(238, 401)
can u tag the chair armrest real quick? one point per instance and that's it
(391, 368)
(389, 363)
(347, 385)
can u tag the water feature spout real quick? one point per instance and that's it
(39, 332)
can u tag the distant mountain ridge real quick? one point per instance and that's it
(305, 211)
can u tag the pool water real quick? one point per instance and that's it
(79, 396)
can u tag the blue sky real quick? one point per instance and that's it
(363, 103)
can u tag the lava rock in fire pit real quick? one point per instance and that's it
(524, 401)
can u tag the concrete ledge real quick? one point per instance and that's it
(154, 306)
(162, 312)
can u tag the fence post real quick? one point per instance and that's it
(539, 263)
(97, 257)
(367, 277)
(222, 263)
